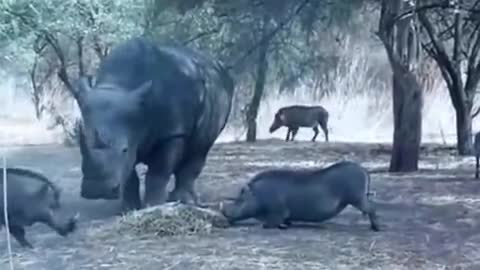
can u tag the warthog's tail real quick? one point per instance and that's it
(369, 193)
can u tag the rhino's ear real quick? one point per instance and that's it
(142, 93)
(81, 90)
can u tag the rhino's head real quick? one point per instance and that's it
(108, 136)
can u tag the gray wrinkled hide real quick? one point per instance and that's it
(279, 197)
(162, 106)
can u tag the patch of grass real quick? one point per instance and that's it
(170, 219)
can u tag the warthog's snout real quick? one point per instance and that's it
(273, 127)
(225, 210)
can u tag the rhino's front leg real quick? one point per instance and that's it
(185, 177)
(131, 193)
(160, 168)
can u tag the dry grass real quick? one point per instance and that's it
(430, 220)
(170, 219)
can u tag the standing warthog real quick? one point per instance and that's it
(476, 150)
(278, 197)
(158, 105)
(32, 198)
(294, 117)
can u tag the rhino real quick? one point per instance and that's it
(160, 105)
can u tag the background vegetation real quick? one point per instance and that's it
(272, 47)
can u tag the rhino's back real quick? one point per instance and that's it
(192, 92)
(138, 60)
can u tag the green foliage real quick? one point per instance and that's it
(301, 46)
(224, 28)
(106, 22)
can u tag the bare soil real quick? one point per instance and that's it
(430, 218)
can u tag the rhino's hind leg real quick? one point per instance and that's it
(185, 177)
(366, 207)
(18, 233)
(131, 193)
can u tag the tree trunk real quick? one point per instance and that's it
(462, 100)
(464, 130)
(261, 76)
(400, 39)
(407, 110)
(465, 45)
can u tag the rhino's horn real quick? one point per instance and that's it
(84, 151)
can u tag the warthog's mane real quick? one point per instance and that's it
(33, 174)
(317, 171)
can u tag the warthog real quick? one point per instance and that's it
(294, 117)
(279, 197)
(32, 198)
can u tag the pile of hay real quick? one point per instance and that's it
(169, 219)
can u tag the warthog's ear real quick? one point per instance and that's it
(142, 93)
(81, 90)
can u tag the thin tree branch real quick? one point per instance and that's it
(423, 8)
(81, 66)
(201, 35)
(270, 35)
(438, 49)
(475, 114)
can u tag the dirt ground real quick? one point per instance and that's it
(430, 219)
